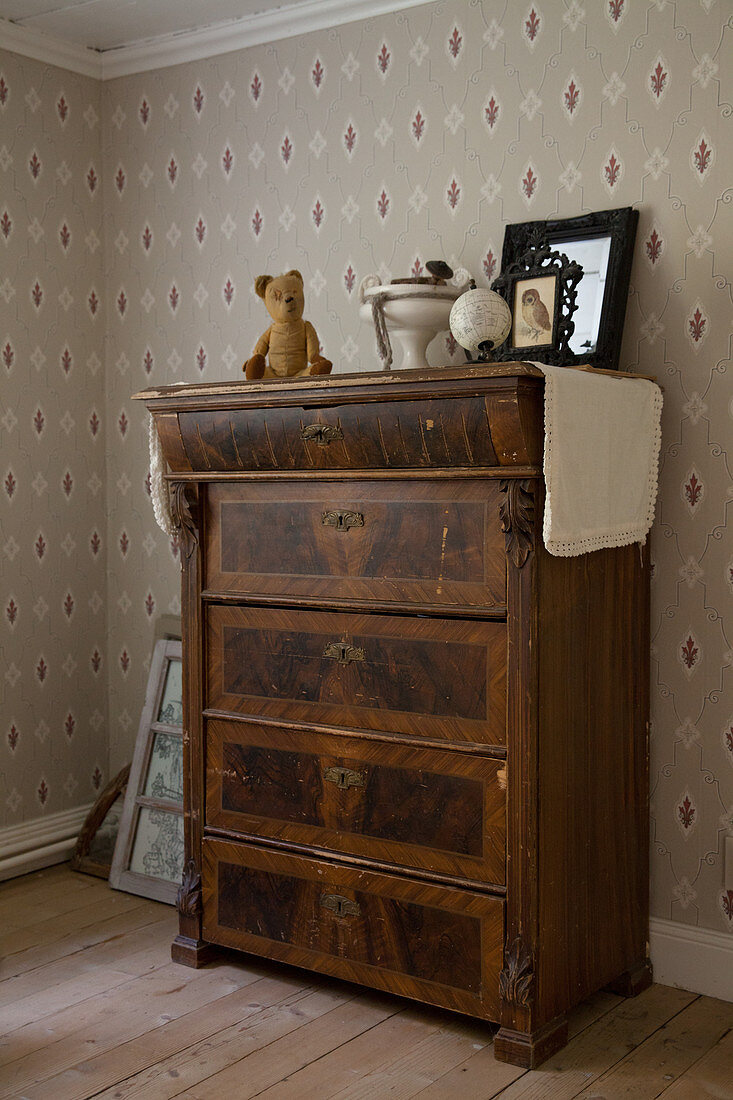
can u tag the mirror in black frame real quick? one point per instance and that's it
(603, 244)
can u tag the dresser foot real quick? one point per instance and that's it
(530, 1049)
(633, 981)
(194, 953)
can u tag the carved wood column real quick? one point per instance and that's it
(523, 1038)
(188, 947)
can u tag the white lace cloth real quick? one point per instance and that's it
(158, 485)
(602, 440)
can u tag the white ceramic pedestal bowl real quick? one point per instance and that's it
(414, 314)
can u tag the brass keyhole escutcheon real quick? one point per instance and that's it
(343, 778)
(342, 519)
(322, 434)
(343, 653)
(339, 905)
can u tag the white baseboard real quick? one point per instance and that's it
(40, 843)
(692, 958)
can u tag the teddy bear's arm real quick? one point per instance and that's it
(263, 344)
(319, 365)
(312, 347)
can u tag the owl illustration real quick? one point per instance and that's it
(534, 312)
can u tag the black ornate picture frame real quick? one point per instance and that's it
(619, 227)
(540, 290)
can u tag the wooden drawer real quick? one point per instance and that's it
(434, 543)
(374, 435)
(434, 678)
(421, 808)
(437, 944)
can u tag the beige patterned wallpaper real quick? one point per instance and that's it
(377, 146)
(53, 692)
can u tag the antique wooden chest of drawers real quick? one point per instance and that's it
(415, 743)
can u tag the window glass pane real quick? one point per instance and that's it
(171, 705)
(158, 847)
(165, 771)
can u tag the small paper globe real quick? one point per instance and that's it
(480, 320)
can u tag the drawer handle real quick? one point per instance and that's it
(343, 653)
(322, 434)
(339, 905)
(341, 519)
(344, 778)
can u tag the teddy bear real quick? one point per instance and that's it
(292, 343)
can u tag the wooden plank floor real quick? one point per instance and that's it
(91, 1006)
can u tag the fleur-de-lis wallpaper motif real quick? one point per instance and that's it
(491, 113)
(686, 814)
(658, 80)
(696, 325)
(454, 43)
(571, 96)
(529, 183)
(372, 146)
(701, 155)
(689, 653)
(453, 195)
(612, 170)
(532, 25)
(615, 9)
(653, 246)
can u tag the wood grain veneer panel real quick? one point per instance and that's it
(420, 808)
(435, 678)
(437, 944)
(429, 543)
(419, 433)
(593, 859)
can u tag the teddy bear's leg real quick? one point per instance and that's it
(255, 366)
(320, 365)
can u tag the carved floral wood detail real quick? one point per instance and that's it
(184, 510)
(517, 978)
(189, 902)
(517, 518)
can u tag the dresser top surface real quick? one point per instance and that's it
(372, 386)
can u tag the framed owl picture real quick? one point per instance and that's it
(540, 290)
(535, 310)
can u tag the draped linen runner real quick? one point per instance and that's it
(602, 441)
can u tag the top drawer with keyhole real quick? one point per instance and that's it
(415, 434)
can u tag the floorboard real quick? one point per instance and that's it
(92, 1006)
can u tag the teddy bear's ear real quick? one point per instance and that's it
(295, 273)
(261, 284)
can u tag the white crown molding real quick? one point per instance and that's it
(40, 843)
(288, 21)
(51, 50)
(175, 49)
(692, 958)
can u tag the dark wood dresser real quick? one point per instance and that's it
(415, 743)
